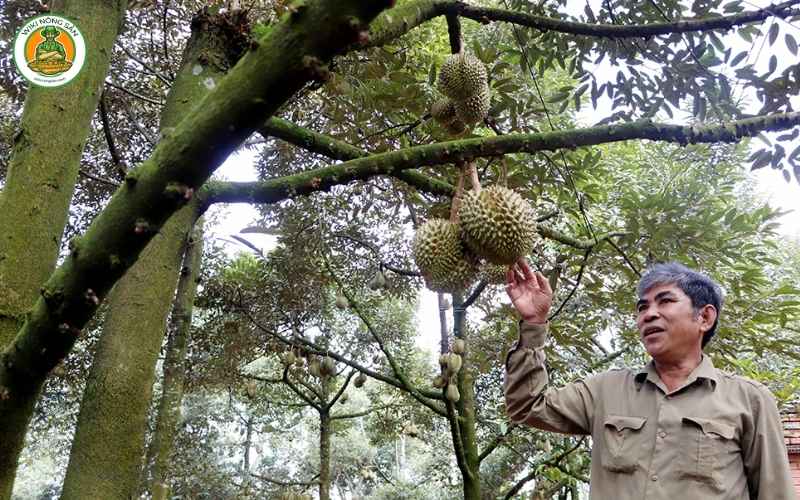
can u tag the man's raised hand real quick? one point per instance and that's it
(529, 292)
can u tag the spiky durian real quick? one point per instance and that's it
(462, 76)
(452, 393)
(494, 274)
(341, 301)
(444, 112)
(288, 358)
(459, 346)
(360, 380)
(440, 255)
(251, 389)
(314, 368)
(475, 108)
(328, 367)
(453, 363)
(497, 224)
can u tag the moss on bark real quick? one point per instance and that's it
(160, 448)
(41, 178)
(111, 427)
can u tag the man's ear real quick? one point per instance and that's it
(707, 317)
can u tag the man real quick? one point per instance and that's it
(678, 429)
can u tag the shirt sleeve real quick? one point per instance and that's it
(764, 452)
(529, 400)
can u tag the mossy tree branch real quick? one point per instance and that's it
(403, 19)
(275, 68)
(324, 178)
(340, 150)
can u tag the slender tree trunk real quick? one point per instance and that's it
(248, 442)
(106, 456)
(324, 455)
(169, 408)
(466, 409)
(41, 179)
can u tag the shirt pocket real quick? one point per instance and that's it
(708, 444)
(621, 435)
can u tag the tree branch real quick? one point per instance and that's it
(297, 390)
(341, 390)
(322, 179)
(315, 349)
(285, 483)
(362, 413)
(340, 150)
(496, 442)
(404, 18)
(275, 68)
(553, 461)
(112, 147)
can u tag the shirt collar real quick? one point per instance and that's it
(705, 370)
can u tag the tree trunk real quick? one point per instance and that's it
(324, 455)
(41, 178)
(112, 422)
(466, 409)
(169, 408)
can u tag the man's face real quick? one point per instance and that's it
(669, 328)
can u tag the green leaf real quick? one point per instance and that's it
(791, 43)
(738, 58)
(773, 33)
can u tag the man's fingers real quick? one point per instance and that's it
(527, 272)
(511, 278)
(544, 283)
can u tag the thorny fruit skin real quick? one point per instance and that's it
(462, 76)
(452, 393)
(459, 346)
(498, 224)
(453, 363)
(442, 258)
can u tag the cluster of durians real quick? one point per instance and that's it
(496, 226)
(463, 81)
(451, 364)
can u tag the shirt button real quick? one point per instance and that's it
(654, 477)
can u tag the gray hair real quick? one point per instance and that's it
(701, 289)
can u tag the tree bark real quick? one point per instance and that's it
(324, 455)
(466, 409)
(34, 203)
(112, 423)
(160, 449)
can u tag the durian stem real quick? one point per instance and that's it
(472, 167)
(455, 206)
(503, 172)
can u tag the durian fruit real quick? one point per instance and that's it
(462, 76)
(494, 274)
(377, 282)
(453, 363)
(459, 346)
(341, 301)
(288, 358)
(327, 368)
(440, 255)
(411, 430)
(443, 360)
(439, 382)
(314, 368)
(444, 112)
(452, 393)
(360, 380)
(251, 389)
(298, 361)
(474, 109)
(497, 224)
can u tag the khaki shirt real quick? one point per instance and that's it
(719, 436)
